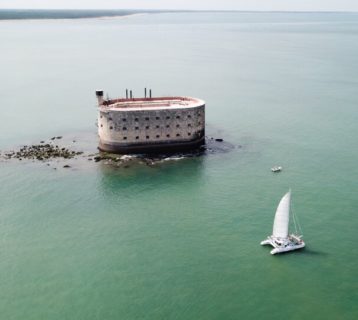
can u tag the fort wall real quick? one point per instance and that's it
(152, 125)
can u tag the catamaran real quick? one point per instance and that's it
(280, 238)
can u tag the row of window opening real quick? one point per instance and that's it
(148, 127)
(147, 118)
(158, 136)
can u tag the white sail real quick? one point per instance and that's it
(282, 217)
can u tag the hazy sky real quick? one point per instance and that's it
(305, 5)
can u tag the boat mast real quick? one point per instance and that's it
(296, 223)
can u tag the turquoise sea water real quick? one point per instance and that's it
(180, 239)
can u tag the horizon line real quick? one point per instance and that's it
(186, 10)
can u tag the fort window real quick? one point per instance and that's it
(178, 134)
(147, 127)
(101, 117)
(124, 128)
(147, 137)
(136, 137)
(189, 124)
(124, 138)
(168, 135)
(147, 118)
(189, 116)
(110, 119)
(167, 125)
(178, 117)
(199, 123)
(157, 127)
(168, 117)
(110, 127)
(157, 136)
(157, 118)
(135, 119)
(189, 134)
(101, 125)
(178, 126)
(124, 120)
(137, 128)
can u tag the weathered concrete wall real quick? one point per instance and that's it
(137, 128)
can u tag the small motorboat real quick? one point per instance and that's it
(276, 169)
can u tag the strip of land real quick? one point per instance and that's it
(26, 14)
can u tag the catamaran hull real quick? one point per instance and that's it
(286, 249)
(290, 246)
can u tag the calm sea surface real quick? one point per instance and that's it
(180, 239)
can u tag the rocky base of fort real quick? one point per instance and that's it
(55, 154)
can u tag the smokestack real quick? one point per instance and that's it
(126, 93)
(130, 93)
(150, 93)
(145, 92)
(99, 95)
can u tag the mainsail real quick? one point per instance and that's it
(282, 217)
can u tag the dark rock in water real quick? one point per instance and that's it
(42, 141)
(59, 137)
(97, 158)
(67, 166)
(53, 138)
(42, 152)
(219, 140)
(90, 159)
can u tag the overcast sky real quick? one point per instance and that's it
(291, 5)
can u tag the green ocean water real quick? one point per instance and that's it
(180, 239)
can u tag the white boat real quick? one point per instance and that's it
(280, 239)
(276, 169)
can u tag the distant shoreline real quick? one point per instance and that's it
(70, 14)
(24, 14)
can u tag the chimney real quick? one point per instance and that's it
(99, 95)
